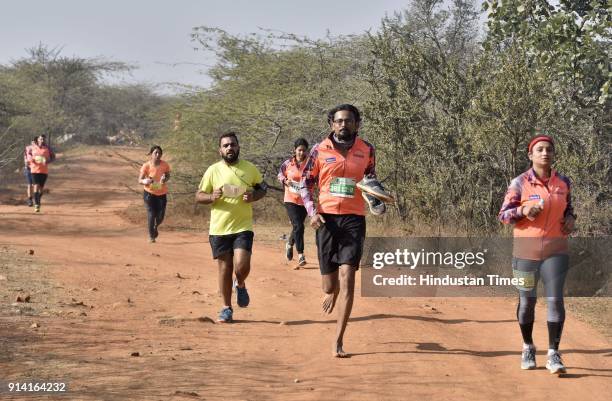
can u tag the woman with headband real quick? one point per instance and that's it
(538, 204)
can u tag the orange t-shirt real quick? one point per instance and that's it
(290, 175)
(155, 172)
(38, 159)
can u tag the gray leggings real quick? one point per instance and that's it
(553, 271)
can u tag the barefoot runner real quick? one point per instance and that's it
(336, 165)
(230, 186)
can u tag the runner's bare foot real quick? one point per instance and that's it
(339, 352)
(330, 301)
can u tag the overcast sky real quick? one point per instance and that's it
(154, 35)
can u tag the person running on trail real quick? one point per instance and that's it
(230, 186)
(538, 204)
(290, 175)
(154, 175)
(39, 155)
(337, 166)
(27, 172)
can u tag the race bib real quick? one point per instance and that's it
(294, 187)
(342, 187)
(156, 186)
(40, 159)
(529, 279)
(233, 191)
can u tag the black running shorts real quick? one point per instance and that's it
(222, 244)
(340, 241)
(39, 179)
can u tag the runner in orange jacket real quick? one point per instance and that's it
(290, 175)
(336, 165)
(538, 203)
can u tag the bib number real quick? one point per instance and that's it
(156, 186)
(294, 187)
(342, 187)
(233, 191)
(528, 278)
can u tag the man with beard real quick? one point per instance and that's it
(230, 186)
(336, 165)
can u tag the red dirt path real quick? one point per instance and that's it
(462, 349)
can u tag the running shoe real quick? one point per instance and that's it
(302, 261)
(37, 208)
(376, 206)
(288, 251)
(242, 295)
(528, 360)
(554, 364)
(30, 203)
(151, 240)
(226, 315)
(375, 188)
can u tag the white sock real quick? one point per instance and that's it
(528, 346)
(552, 351)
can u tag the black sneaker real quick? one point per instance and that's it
(301, 261)
(377, 207)
(288, 251)
(375, 188)
(30, 203)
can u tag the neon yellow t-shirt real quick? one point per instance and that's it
(230, 215)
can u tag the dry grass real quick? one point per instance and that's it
(594, 311)
(23, 275)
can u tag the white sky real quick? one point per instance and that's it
(155, 34)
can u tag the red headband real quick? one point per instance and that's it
(540, 138)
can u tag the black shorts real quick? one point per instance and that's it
(222, 244)
(39, 179)
(340, 241)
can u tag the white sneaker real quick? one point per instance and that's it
(554, 364)
(528, 358)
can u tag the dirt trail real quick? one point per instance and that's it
(442, 348)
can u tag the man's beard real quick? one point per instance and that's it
(345, 135)
(231, 159)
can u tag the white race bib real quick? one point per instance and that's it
(294, 187)
(342, 187)
(233, 191)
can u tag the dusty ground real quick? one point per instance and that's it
(100, 292)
